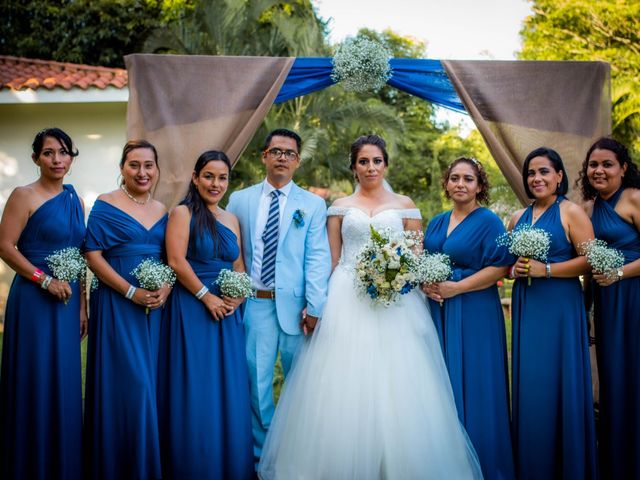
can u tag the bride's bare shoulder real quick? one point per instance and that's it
(404, 202)
(343, 202)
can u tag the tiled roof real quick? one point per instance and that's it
(17, 73)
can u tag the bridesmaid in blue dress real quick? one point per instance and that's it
(41, 386)
(125, 227)
(468, 314)
(611, 179)
(203, 394)
(553, 421)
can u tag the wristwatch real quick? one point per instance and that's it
(620, 274)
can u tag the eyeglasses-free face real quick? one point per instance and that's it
(276, 153)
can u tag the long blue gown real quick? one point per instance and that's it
(472, 333)
(553, 421)
(121, 420)
(203, 386)
(617, 322)
(41, 386)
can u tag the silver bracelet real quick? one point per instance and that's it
(131, 292)
(202, 292)
(547, 270)
(46, 282)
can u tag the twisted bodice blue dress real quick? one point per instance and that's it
(41, 385)
(368, 397)
(121, 421)
(203, 385)
(553, 421)
(617, 325)
(472, 334)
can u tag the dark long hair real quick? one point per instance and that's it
(204, 219)
(556, 162)
(631, 177)
(56, 133)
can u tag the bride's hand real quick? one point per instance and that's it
(432, 290)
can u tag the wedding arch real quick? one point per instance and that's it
(188, 104)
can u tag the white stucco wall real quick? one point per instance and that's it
(98, 130)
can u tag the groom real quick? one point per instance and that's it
(286, 253)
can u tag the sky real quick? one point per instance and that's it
(453, 29)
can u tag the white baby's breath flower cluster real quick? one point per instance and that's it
(386, 267)
(67, 264)
(434, 267)
(602, 258)
(153, 274)
(361, 65)
(234, 284)
(527, 241)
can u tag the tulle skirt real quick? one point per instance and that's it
(368, 397)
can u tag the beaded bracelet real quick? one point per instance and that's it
(46, 282)
(131, 292)
(202, 292)
(547, 270)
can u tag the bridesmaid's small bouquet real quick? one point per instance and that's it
(434, 267)
(152, 274)
(387, 266)
(602, 258)
(528, 242)
(68, 265)
(234, 284)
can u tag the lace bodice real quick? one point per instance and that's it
(355, 227)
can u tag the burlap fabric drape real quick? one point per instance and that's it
(519, 106)
(186, 105)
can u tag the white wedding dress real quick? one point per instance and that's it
(368, 396)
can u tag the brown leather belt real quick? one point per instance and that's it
(266, 294)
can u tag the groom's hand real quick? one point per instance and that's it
(308, 323)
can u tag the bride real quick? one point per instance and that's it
(368, 396)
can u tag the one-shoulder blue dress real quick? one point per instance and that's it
(472, 333)
(203, 385)
(41, 386)
(553, 420)
(121, 420)
(617, 323)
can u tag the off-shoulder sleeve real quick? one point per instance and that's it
(337, 211)
(412, 213)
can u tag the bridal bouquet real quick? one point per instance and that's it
(153, 274)
(602, 258)
(67, 264)
(528, 242)
(234, 284)
(387, 266)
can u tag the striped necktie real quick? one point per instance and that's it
(270, 239)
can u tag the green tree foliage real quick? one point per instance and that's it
(243, 27)
(606, 30)
(95, 32)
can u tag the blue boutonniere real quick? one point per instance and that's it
(298, 218)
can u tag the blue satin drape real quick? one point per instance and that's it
(425, 79)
